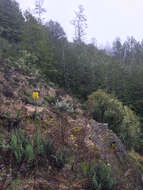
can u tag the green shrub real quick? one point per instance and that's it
(62, 106)
(1, 140)
(52, 84)
(35, 153)
(43, 147)
(18, 142)
(29, 100)
(122, 120)
(44, 102)
(14, 184)
(29, 153)
(26, 62)
(61, 158)
(50, 148)
(4, 45)
(130, 131)
(84, 168)
(106, 109)
(39, 145)
(99, 177)
(23, 149)
(51, 99)
(84, 107)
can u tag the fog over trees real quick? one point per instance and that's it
(78, 67)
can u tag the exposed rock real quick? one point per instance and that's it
(123, 168)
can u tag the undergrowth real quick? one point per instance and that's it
(98, 174)
(36, 152)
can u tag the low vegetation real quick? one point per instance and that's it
(105, 108)
(99, 175)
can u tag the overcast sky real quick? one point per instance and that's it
(106, 19)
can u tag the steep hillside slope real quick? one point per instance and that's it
(67, 140)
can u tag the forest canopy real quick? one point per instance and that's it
(78, 67)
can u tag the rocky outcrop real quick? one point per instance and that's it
(112, 151)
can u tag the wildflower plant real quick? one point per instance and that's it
(20, 146)
(64, 106)
(108, 165)
(102, 175)
(99, 175)
(35, 95)
(61, 158)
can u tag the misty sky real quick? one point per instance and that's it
(107, 19)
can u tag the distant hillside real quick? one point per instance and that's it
(78, 67)
(51, 143)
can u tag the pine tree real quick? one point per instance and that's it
(80, 24)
